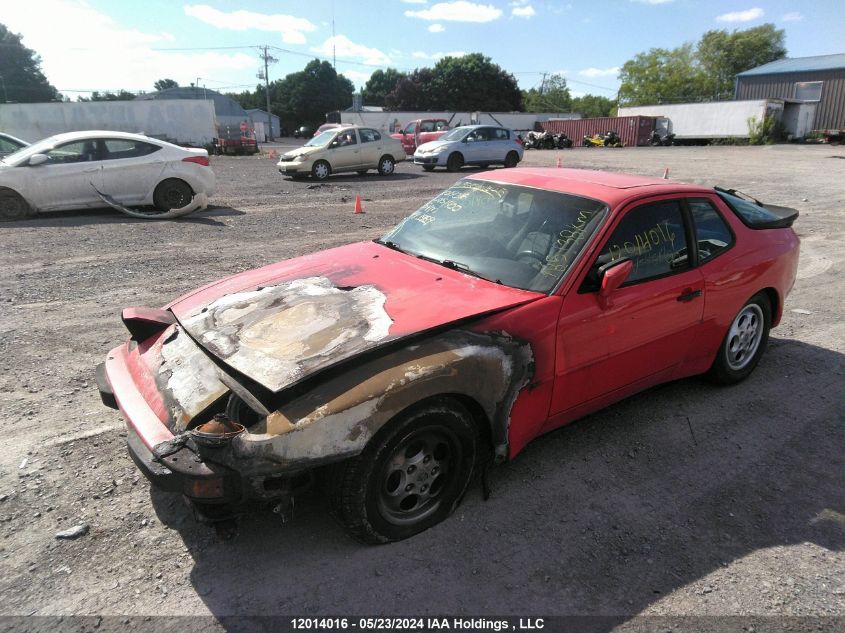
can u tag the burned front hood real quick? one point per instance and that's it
(279, 324)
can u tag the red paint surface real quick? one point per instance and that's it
(587, 353)
(633, 130)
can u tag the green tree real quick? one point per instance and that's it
(662, 76)
(120, 95)
(412, 92)
(473, 82)
(20, 70)
(164, 84)
(306, 96)
(379, 85)
(723, 55)
(593, 106)
(552, 96)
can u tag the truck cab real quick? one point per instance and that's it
(420, 131)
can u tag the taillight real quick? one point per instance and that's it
(518, 140)
(199, 160)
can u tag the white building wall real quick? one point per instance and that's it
(184, 121)
(721, 119)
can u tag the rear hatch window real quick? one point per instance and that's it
(754, 213)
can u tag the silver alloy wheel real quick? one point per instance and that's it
(321, 170)
(386, 167)
(744, 337)
(417, 472)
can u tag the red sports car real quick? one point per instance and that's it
(512, 303)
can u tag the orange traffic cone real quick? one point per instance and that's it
(558, 161)
(666, 174)
(359, 208)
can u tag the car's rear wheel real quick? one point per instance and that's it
(386, 166)
(13, 206)
(172, 194)
(321, 170)
(455, 162)
(512, 159)
(410, 476)
(744, 343)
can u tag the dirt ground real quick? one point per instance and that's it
(686, 500)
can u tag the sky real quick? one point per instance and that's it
(88, 45)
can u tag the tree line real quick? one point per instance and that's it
(691, 72)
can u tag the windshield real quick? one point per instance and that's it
(322, 139)
(41, 147)
(455, 135)
(518, 236)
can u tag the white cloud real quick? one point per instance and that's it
(599, 72)
(523, 11)
(741, 16)
(459, 11)
(792, 16)
(436, 56)
(436, 28)
(653, 2)
(342, 46)
(292, 29)
(358, 77)
(118, 57)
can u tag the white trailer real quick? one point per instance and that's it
(184, 121)
(718, 119)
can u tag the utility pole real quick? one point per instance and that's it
(268, 59)
(543, 84)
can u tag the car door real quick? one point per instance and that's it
(131, 169)
(69, 177)
(344, 153)
(372, 147)
(636, 339)
(477, 146)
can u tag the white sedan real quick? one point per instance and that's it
(136, 174)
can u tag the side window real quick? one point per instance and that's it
(440, 125)
(427, 126)
(368, 135)
(346, 138)
(7, 146)
(121, 148)
(652, 236)
(711, 232)
(76, 152)
(409, 129)
(502, 135)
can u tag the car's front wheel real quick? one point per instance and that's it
(744, 343)
(455, 162)
(410, 476)
(386, 166)
(172, 194)
(511, 159)
(321, 170)
(13, 206)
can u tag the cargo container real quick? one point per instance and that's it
(719, 119)
(633, 130)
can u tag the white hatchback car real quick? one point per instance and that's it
(482, 145)
(136, 174)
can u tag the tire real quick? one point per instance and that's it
(410, 476)
(744, 343)
(172, 193)
(511, 160)
(321, 170)
(386, 166)
(13, 206)
(428, 167)
(455, 162)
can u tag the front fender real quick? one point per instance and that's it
(336, 418)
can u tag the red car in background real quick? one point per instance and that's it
(509, 305)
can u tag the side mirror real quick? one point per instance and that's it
(611, 276)
(38, 159)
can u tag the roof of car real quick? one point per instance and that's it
(611, 187)
(72, 136)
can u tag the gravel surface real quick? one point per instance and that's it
(685, 500)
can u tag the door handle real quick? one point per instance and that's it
(688, 295)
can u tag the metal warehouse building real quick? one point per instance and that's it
(813, 89)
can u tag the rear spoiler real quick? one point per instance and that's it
(768, 216)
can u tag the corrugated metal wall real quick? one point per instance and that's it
(830, 112)
(633, 130)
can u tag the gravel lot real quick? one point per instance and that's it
(686, 500)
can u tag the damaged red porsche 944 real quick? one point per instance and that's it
(512, 303)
